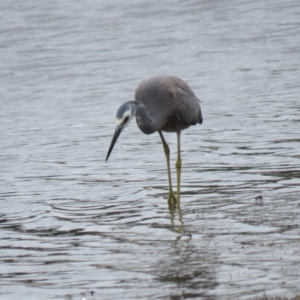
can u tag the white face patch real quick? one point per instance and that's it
(118, 121)
(127, 114)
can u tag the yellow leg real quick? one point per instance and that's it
(172, 198)
(178, 167)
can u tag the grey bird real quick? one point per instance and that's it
(162, 103)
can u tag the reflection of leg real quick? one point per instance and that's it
(174, 226)
(181, 229)
(178, 167)
(172, 198)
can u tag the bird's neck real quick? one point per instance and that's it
(145, 122)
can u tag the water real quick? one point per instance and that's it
(71, 223)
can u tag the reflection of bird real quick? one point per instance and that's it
(162, 103)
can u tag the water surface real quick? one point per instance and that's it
(71, 223)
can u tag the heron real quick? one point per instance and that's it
(162, 103)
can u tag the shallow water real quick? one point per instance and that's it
(71, 223)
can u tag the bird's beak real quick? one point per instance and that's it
(114, 139)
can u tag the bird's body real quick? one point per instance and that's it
(170, 102)
(162, 103)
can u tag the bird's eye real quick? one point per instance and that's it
(126, 119)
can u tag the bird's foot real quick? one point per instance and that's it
(172, 200)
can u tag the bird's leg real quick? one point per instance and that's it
(178, 167)
(172, 198)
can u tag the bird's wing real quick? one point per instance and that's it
(188, 110)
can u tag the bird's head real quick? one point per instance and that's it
(123, 116)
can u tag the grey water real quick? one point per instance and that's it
(72, 223)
